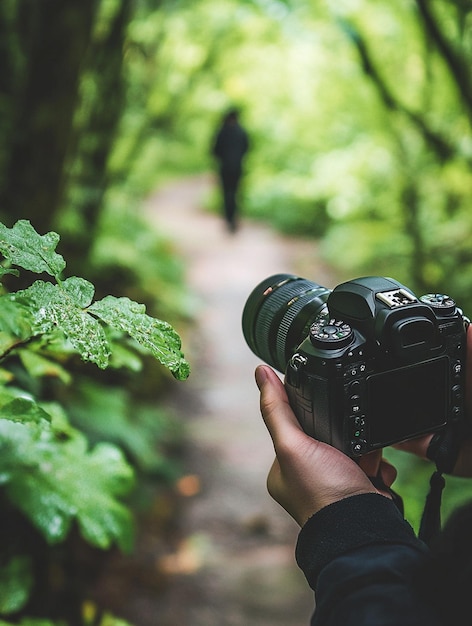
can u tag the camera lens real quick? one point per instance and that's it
(278, 314)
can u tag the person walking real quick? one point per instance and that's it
(229, 148)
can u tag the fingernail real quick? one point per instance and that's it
(261, 376)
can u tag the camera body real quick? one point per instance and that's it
(374, 365)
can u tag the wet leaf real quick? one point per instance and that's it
(157, 336)
(61, 306)
(23, 246)
(55, 481)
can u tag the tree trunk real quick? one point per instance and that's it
(53, 36)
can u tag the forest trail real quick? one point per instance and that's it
(233, 563)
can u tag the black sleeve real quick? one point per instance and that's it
(366, 566)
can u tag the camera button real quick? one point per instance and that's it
(439, 301)
(457, 392)
(355, 370)
(330, 334)
(358, 421)
(358, 447)
(355, 403)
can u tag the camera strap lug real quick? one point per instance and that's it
(443, 450)
(297, 361)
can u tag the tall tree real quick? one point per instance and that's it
(94, 134)
(43, 65)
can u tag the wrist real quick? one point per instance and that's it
(353, 522)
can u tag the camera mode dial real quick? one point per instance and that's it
(440, 301)
(330, 334)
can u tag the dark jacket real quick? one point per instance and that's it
(368, 568)
(230, 146)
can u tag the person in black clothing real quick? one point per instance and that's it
(229, 147)
(358, 553)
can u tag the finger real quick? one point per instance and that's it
(375, 466)
(278, 416)
(370, 463)
(388, 472)
(274, 479)
(418, 446)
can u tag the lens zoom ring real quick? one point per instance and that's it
(282, 349)
(268, 312)
(268, 336)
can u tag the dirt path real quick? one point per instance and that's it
(234, 564)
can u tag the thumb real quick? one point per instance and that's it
(276, 412)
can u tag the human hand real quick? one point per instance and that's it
(307, 474)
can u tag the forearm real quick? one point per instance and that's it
(366, 566)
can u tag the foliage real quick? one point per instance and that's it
(143, 432)
(413, 485)
(49, 473)
(67, 305)
(106, 620)
(359, 117)
(340, 148)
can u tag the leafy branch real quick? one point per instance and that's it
(441, 145)
(456, 62)
(67, 305)
(48, 471)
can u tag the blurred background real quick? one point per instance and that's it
(359, 114)
(359, 117)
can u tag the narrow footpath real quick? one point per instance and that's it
(234, 563)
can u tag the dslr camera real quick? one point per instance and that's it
(367, 364)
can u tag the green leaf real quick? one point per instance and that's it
(61, 426)
(141, 434)
(153, 334)
(6, 270)
(15, 584)
(102, 519)
(15, 323)
(32, 621)
(109, 619)
(55, 480)
(123, 356)
(9, 393)
(38, 366)
(61, 306)
(25, 411)
(23, 246)
(79, 290)
(5, 376)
